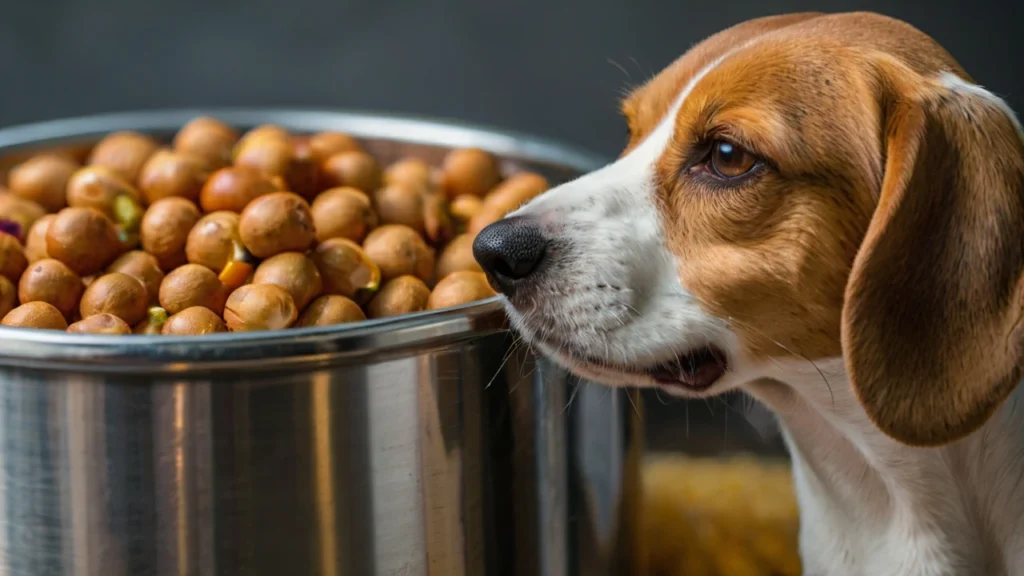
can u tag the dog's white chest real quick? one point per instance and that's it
(951, 511)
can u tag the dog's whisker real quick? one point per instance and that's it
(629, 396)
(572, 396)
(813, 364)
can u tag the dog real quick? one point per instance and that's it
(827, 212)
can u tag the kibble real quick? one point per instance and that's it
(194, 321)
(43, 180)
(259, 307)
(39, 315)
(118, 294)
(191, 285)
(207, 138)
(222, 230)
(343, 213)
(8, 296)
(295, 273)
(12, 258)
(100, 324)
(172, 174)
(401, 295)
(399, 250)
(331, 309)
(165, 229)
(275, 223)
(83, 239)
(51, 281)
(213, 240)
(124, 152)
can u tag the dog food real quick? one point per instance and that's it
(219, 230)
(719, 517)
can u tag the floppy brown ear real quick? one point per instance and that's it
(931, 324)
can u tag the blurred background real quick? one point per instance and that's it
(533, 66)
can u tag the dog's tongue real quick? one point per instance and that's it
(696, 371)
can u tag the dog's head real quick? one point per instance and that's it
(801, 186)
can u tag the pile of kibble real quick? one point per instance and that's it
(222, 231)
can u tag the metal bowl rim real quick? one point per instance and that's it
(85, 351)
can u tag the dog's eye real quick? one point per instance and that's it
(730, 161)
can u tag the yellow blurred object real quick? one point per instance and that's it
(719, 517)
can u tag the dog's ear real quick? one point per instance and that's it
(931, 326)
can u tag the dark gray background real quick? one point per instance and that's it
(533, 66)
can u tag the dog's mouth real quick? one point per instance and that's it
(694, 371)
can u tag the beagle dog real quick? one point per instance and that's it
(826, 212)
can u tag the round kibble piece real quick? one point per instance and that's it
(214, 240)
(275, 223)
(194, 321)
(401, 295)
(142, 266)
(12, 257)
(464, 207)
(43, 179)
(207, 138)
(399, 250)
(168, 173)
(355, 169)
(35, 242)
(100, 187)
(17, 215)
(294, 272)
(100, 324)
(470, 171)
(508, 196)
(8, 296)
(410, 172)
(165, 228)
(52, 282)
(84, 239)
(518, 189)
(259, 133)
(118, 294)
(400, 204)
(259, 307)
(487, 215)
(457, 256)
(326, 144)
(191, 285)
(331, 309)
(233, 188)
(345, 269)
(343, 213)
(124, 152)
(39, 315)
(267, 156)
(460, 288)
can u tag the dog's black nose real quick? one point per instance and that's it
(509, 251)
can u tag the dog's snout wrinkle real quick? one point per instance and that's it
(509, 251)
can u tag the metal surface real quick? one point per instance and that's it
(424, 445)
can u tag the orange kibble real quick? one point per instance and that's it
(235, 274)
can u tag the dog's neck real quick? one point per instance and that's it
(873, 506)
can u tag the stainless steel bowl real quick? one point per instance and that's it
(429, 444)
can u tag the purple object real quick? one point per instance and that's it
(10, 227)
